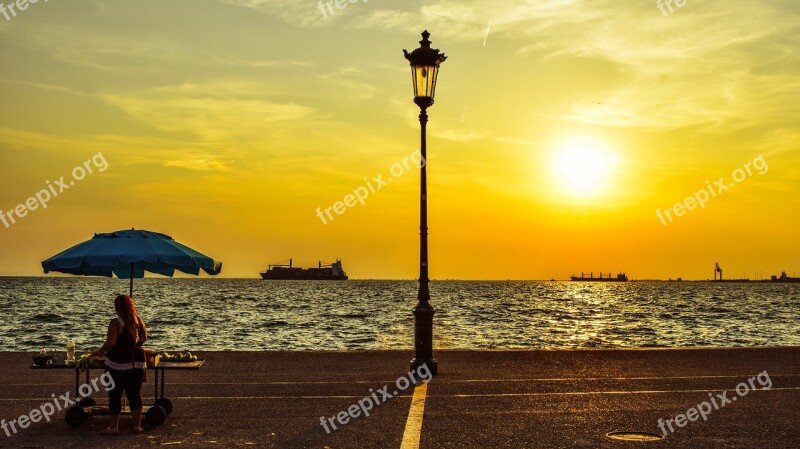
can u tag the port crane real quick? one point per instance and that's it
(717, 269)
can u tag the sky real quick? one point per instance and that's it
(566, 135)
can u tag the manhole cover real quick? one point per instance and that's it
(635, 436)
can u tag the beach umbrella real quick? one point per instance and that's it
(128, 254)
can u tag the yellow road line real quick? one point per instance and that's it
(452, 395)
(413, 432)
(583, 379)
(510, 380)
(588, 393)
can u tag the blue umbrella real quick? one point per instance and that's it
(128, 254)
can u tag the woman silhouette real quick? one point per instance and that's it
(125, 362)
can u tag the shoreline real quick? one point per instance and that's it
(222, 278)
(469, 350)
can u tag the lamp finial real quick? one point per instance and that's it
(425, 42)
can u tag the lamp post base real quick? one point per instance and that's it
(423, 339)
(431, 364)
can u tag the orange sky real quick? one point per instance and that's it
(559, 129)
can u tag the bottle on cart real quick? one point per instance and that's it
(70, 350)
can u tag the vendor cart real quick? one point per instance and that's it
(154, 415)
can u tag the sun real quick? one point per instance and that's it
(583, 167)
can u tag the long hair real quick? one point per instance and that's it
(127, 311)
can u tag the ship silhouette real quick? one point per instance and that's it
(619, 278)
(323, 272)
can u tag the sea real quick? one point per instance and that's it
(248, 314)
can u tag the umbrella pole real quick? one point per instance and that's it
(131, 289)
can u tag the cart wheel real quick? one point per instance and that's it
(155, 416)
(76, 416)
(87, 402)
(166, 404)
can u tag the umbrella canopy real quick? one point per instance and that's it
(128, 254)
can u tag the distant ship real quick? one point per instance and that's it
(619, 278)
(324, 272)
(784, 278)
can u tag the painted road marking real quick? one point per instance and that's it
(587, 393)
(371, 382)
(582, 379)
(479, 395)
(413, 432)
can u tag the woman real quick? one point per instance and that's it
(125, 362)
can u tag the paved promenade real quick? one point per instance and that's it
(480, 399)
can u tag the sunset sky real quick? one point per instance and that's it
(560, 128)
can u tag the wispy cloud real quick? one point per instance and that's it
(211, 111)
(461, 134)
(350, 82)
(301, 13)
(711, 55)
(199, 162)
(261, 63)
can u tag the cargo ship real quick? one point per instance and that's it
(619, 278)
(784, 278)
(323, 272)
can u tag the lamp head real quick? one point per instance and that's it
(425, 62)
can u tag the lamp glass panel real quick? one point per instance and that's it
(424, 80)
(434, 75)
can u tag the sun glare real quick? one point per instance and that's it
(583, 167)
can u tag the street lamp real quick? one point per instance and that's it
(425, 62)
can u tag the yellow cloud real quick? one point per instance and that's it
(209, 111)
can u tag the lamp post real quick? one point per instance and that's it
(425, 62)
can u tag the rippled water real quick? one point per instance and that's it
(220, 314)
